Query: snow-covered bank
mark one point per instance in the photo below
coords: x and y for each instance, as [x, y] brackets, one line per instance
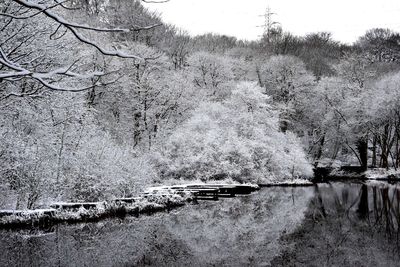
[355, 172]
[90, 212]
[382, 174]
[154, 199]
[268, 183]
[176, 183]
[293, 182]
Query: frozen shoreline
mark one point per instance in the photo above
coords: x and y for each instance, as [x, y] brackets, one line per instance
[355, 173]
[100, 210]
[159, 198]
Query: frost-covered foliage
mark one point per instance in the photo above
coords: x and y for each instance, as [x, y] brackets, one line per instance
[238, 138]
[63, 153]
[383, 103]
[284, 76]
[102, 169]
[212, 73]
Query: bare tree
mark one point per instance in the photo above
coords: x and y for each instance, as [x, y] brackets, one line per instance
[31, 30]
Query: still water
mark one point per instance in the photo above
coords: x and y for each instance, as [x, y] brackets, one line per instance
[242, 231]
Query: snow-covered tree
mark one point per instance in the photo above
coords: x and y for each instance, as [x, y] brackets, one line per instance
[31, 31]
[284, 78]
[237, 139]
[211, 72]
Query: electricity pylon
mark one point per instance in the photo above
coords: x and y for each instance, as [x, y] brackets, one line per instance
[269, 24]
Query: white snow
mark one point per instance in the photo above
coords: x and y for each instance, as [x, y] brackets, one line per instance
[381, 173]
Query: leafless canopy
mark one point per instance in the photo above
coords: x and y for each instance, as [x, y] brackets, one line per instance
[11, 70]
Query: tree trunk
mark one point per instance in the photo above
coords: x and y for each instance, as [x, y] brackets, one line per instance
[137, 130]
[335, 153]
[20, 198]
[362, 147]
[145, 121]
[283, 125]
[59, 156]
[397, 153]
[385, 148]
[384, 159]
[260, 83]
[319, 152]
[374, 143]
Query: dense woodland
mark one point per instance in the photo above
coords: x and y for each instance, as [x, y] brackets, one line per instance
[101, 98]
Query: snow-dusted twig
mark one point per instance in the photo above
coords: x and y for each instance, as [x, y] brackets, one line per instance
[34, 14]
[43, 77]
[73, 27]
[13, 70]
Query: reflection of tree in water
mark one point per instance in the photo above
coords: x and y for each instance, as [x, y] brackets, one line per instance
[374, 208]
[386, 209]
[358, 202]
[346, 224]
[363, 207]
[377, 205]
[164, 249]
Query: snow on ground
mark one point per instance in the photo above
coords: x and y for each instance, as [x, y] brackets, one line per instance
[143, 204]
[181, 184]
[296, 181]
[381, 173]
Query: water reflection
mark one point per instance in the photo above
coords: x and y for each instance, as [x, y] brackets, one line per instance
[231, 232]
[378, 204]
[243, 231]
[346, 224]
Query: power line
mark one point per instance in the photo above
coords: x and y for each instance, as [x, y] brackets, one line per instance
[269, 23]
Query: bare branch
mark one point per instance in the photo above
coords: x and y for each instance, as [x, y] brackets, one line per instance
[145, 28]
[19, 66]
[32, 93]
[34, 14]
[43, 77]
[45, 10]
[67, 8]
[116, 53]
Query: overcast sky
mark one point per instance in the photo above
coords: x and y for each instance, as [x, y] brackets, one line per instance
[346, 19]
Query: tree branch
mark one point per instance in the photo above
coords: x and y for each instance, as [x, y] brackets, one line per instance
[73, 27]
[32, 15]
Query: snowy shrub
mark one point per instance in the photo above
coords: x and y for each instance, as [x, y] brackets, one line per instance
[237, 139]
[103, 170]
[65, 159]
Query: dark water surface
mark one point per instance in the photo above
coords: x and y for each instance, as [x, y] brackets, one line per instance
[253, 230]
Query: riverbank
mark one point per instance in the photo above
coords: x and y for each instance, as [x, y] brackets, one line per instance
[154, 199]
[289, 183]
[90, 212]
[343, 173]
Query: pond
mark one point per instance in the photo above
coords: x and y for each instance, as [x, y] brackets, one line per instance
[342, 224]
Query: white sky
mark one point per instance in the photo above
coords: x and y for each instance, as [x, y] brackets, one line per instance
[345, 19]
